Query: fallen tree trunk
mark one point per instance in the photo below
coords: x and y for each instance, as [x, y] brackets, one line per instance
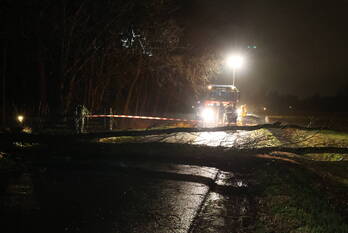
[24, 137]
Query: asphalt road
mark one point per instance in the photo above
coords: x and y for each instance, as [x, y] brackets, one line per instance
[106, 196]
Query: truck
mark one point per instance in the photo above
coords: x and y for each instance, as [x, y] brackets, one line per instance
[219, 106]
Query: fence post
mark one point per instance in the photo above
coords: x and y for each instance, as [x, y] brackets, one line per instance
[111, 120]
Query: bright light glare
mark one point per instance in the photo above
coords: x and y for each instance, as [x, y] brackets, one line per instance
[20, 118]
[239, 112]
[234, 61]
[208, 115]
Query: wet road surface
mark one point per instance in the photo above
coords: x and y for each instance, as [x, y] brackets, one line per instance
[119, 196]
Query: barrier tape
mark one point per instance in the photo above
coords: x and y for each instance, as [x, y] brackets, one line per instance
[141, 117]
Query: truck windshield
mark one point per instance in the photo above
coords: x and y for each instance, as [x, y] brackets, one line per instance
[222, 95]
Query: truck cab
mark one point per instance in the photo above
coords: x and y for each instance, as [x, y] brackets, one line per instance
[219, 106]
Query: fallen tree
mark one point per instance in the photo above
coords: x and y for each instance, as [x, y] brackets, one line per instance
[147, 132]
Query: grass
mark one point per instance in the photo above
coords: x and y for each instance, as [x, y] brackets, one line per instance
[298, 200]
[332, 157]
[336, 172]
[335, 135]
[321, 138]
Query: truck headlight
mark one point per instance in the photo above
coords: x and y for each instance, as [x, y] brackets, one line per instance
[208, 115]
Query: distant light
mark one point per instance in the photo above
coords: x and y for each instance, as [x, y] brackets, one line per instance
[290, 107]
[20, 118]
[252, 47]
[264, 108]
[209, 87]
[27, 130]
[234, 61]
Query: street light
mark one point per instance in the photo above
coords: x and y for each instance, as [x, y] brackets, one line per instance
[234, 62]
[20, 119]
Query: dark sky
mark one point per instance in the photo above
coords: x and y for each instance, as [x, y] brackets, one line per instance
[301, 45]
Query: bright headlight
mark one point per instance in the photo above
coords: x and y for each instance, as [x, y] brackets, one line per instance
[208, 115]
[239, 111]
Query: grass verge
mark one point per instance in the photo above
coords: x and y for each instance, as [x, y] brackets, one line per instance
[298, 199]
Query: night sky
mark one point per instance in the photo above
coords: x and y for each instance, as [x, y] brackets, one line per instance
[301, 48]
[301, 45]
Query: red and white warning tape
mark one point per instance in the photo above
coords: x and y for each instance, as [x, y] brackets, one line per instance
[141, 117]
